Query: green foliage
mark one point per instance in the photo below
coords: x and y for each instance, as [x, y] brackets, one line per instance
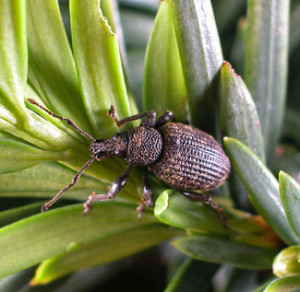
[79, 72]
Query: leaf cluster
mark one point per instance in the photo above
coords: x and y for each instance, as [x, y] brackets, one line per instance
[172, 59]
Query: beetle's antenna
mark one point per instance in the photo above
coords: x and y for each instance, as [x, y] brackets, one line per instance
[68, 121]
[46, 206]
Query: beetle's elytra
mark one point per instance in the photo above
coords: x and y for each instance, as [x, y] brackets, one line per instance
[182, 156]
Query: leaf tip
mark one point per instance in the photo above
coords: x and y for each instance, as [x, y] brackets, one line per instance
[228, 67]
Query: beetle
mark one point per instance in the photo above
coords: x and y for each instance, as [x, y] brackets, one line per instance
[184, 157]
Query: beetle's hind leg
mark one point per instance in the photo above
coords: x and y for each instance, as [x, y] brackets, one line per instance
[198, 197]
[117, 187]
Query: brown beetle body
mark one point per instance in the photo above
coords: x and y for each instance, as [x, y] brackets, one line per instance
[178, 154]
[190, 159]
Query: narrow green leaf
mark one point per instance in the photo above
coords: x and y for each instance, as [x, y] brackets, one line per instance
[199, 217]
[46, 179]
[239, 119]
[52, 69]
[287, 262]
[266, 64]
[105, 250]
[284, 284]
[13, 55]
[110, 8]
[200, 53]
[218, 250]
[262, 186]
[290, 197]
[15, 214]
[59, 229]
[17, 155]
[164, 86]
[35, 130]
[99, 65]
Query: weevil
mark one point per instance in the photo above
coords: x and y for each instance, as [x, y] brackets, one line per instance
[184, 157]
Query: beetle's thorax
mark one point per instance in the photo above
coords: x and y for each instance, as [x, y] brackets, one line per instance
[144, 145]
[116, 145]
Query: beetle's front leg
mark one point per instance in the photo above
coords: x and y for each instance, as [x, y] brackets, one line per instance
[150, 121]
[147, 201]
[117, 187]
[166, 117]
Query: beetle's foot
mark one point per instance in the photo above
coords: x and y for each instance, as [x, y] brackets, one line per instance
[141, 209]
[88, 204]
[44, 208]
[111, 112]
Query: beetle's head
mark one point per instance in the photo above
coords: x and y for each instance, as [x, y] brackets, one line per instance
[116, 145]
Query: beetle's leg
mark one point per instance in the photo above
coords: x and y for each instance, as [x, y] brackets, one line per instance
[117, 187]
[147, 201]
[46, 206]
[166, 117]
[150, 121]
[198, 197]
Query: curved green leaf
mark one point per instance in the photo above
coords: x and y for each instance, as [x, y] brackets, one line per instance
[266, 64]
[105, 250]
[99, 65]
[59, 229]
[17, 155]
[15, 214]
[200, 53]
[169, 208]
[52, 70]
[284, 284]
[218, 250]
[287, 262]
[239, 119]
[14, 118]
[290, 197]
[35, 130]
[46, 179]
[262, 186]
[164, 86]
[13, 55]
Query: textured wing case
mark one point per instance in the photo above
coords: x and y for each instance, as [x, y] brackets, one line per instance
[190, 159]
